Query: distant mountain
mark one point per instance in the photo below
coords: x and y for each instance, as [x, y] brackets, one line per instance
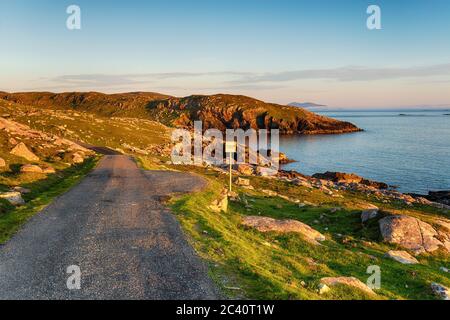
[305, 105]
[215, 111]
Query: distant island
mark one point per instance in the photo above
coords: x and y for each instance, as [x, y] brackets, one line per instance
[305, 105]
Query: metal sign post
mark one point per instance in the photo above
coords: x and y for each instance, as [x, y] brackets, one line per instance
[230, 148]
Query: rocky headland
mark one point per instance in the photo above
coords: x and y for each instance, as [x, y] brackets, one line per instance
[215, 111]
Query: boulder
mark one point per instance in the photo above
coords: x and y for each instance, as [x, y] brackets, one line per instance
[370, 212]
[31, 168]
[233, 196]
[21, 150]
[270, 193]
[291, 174]
[402, 257]
[444, 269]
[347, 281]
[221, 204]
[339, 177]
[21, 190]
[12, 141]
[2, 163]
[409, 233]
[265, 224]
[242, 182]
[374, 184]
[78, 158]
[349, 178]
[48, 169]
[244, 169]
[439, 196]
[323, 288]
[15, 198]
[266, 171]
[440, 291]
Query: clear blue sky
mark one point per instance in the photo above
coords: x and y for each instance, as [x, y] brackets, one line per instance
[278, 51]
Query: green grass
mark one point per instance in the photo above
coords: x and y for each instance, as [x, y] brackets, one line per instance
[43, 191]
[274, 266]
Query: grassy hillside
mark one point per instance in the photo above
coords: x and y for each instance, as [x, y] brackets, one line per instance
[131, 104]
[216, 111]
[122, 133]
[250, 264]
[41, 130]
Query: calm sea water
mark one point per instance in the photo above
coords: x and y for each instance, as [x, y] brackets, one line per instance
[411, 151]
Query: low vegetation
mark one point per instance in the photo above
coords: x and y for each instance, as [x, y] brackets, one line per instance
[250, 264]
[43, 190]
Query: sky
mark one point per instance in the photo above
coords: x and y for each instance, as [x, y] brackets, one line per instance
[275, 50]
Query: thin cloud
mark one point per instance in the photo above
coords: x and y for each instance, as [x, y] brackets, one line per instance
[104, 80]
[238, 80]
[351, 73]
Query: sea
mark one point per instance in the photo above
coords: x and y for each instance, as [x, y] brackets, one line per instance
[406, 149]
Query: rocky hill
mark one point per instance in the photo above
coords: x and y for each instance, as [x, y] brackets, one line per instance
[216, 111]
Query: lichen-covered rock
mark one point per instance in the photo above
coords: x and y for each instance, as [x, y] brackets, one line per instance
[31, 168]
[77, 158]
[221, 204]
[15, 198]
[369, 213]
[347, 281]
[440, 291]
[265, 224]
[2, 163]
[402, 257]
[242, 182]
[410, 233]
[21, 150]
[245, 169]
[48, 170]
[270, 193]
[323, 288]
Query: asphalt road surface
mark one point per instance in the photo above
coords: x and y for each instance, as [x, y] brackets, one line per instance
[115, 228]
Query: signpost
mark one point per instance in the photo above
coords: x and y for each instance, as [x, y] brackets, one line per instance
[230, 148]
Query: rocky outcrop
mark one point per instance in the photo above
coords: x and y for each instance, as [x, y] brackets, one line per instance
[339, 177]
[220, 204]
[78, 158]
[31, 168]
[347, 281]
[240, 112]
[265, 224]
[402, 257]
[21, 150]
[439, 196]
[369, 213]
[440, 291]
[48, 169]
[15, 198]
[348, 178]
[2, 163]
[410, 233]
[242, 182]
[215, 111]
[244, 169]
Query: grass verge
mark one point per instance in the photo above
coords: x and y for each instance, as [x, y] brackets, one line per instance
[42, 193]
